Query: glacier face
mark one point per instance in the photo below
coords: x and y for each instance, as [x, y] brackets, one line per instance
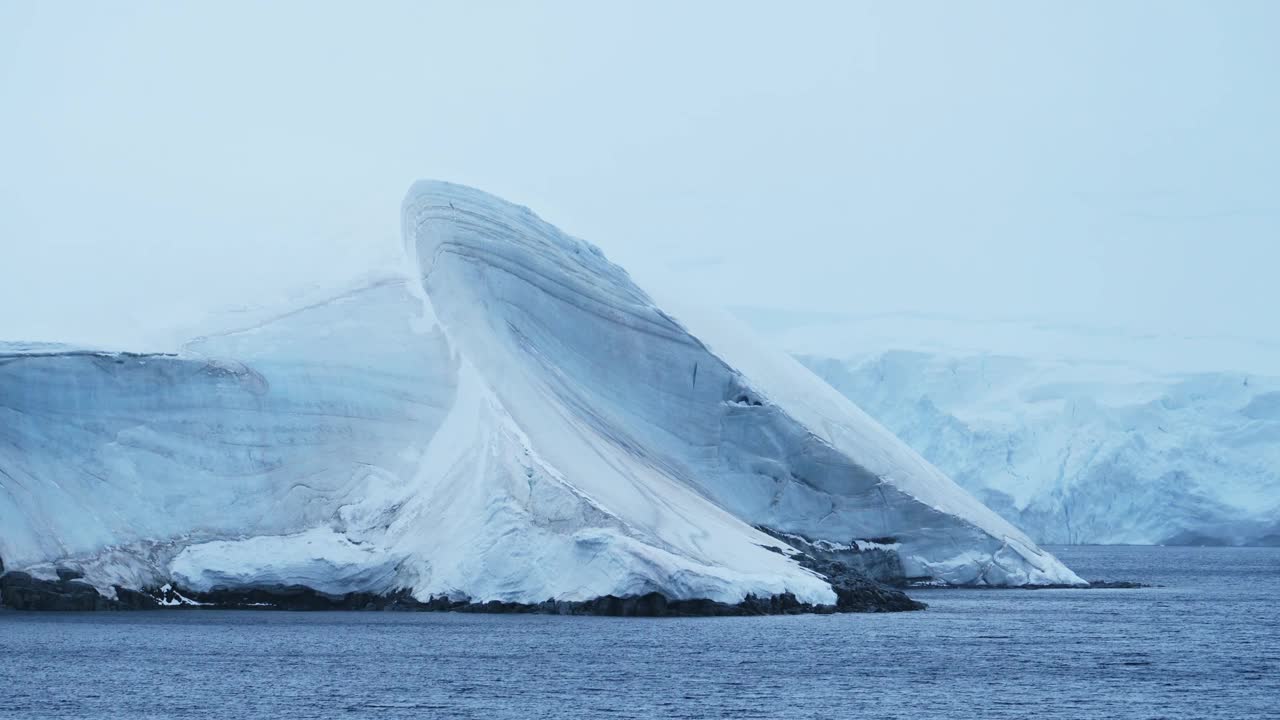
[121, 462]
[1084, 453]
[516, 421]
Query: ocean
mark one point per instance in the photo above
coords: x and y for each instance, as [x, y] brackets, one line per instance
[1205, 644]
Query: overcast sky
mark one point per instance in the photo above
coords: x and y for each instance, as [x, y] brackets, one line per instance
[1106, 163]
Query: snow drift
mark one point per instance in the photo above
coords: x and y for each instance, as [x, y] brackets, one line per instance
[515, 422]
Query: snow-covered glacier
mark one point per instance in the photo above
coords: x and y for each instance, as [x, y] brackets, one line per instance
[513, 421]
[1085, 452]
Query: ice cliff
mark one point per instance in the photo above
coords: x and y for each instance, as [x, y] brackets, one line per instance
[516, 421]
[1082, 452]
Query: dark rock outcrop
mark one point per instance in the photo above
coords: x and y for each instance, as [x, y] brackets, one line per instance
[873, 597]
[288, 597]
[870, 598]
[873, 559]
[21, 591]
[857, 575]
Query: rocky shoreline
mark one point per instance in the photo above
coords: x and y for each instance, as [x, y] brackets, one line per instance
[22, 591]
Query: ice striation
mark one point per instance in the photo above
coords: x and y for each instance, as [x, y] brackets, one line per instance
[516, 421]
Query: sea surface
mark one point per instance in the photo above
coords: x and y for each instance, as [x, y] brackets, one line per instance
[1204, 645]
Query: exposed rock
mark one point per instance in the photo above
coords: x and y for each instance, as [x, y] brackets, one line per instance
[872, 597]
[865, 558]
[299, 597]
[856, 571]
[21, 591]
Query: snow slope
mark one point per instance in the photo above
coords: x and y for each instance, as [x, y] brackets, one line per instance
[566, 340]
[517, 421]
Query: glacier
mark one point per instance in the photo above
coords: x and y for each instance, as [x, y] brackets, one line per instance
[514, 420]
[1084, 452]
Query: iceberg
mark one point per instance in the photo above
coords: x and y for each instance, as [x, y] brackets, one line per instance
[513, 422]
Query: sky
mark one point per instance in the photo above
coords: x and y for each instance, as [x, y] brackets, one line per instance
[1107, 164]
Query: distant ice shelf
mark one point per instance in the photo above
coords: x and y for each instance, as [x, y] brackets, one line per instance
[1086, 453]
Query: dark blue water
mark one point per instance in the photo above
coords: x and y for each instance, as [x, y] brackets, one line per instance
[1205, 646]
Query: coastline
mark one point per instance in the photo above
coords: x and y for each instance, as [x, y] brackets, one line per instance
[22, 592]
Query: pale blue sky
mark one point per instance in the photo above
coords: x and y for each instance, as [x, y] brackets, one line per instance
[1107, 163]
